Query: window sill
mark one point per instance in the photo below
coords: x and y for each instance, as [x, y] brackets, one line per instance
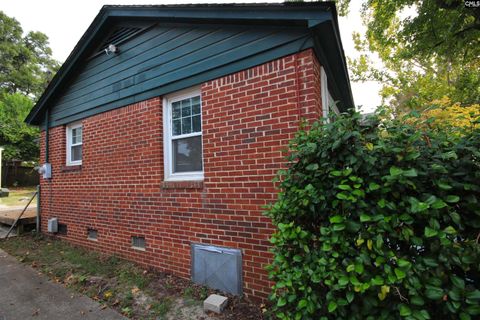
[72, 168]
[139, 249]
[182, 185]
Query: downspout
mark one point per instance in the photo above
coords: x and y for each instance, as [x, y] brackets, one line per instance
[47, 139]
[47, 125]
[37, 220]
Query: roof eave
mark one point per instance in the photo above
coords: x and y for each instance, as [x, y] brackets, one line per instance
[300, 13]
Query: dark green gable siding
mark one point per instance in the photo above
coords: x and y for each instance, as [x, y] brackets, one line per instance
[165, 58]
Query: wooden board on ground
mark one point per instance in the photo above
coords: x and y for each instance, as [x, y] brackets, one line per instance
[9, 216]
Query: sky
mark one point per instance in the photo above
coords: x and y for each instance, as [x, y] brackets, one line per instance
[65, 21]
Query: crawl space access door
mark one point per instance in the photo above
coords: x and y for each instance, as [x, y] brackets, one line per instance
[217, 267]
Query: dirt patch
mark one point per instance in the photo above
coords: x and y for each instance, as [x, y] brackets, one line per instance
[135, 292]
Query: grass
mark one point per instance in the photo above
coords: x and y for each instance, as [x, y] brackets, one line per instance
[15, 196]
[117, 283]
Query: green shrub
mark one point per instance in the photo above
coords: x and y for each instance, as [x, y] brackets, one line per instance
[378, 221]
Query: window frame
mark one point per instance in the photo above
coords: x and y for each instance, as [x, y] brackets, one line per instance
[69, 144]
[325, 93]
[168, 139]
[328, 104]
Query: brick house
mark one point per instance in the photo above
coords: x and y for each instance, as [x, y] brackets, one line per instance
[166, 124]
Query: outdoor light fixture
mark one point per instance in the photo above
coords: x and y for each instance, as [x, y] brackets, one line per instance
[111, 49]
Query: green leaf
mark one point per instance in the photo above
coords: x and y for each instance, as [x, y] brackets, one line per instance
[433, 293]
[344, 187]
[430, 232]
[373, 186]
[455, 217]
[473, 295]
[400, 273]
[302, 304]
[332, 306]
[452, 199]
[343, 280]
[443, 185]
[312, 167]
[336, 219]
[350, 296]
[410, 173]
[378, 281]
[405, 310]
[454, 295]
[394, 171]
[342, 196]
[439, 204]
[417, 300]
[403, 263]
[450, 230]
[281, 302]
[464, 316]
[381, 203]
[365, 217]
[359, 268]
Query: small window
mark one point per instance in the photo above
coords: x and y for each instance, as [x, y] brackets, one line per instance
[92, 234]
[325, 94]
[183, 136]
[138, 243]
[74, 144]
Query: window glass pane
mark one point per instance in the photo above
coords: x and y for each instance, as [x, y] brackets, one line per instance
[196, 124]
[196, 100]
[187, 154]
[76, 135]
[177, 127]
[176, 110]
[186, 108]
[76, 153]
[196, 109]
[186, 125]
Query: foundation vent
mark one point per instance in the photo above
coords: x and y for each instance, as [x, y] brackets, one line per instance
[138, 243]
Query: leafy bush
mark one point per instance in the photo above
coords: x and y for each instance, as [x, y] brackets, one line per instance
[378, 221]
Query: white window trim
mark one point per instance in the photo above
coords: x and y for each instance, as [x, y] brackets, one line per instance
[69, 129]
[325, 93]
[328, 103]
[167, 136]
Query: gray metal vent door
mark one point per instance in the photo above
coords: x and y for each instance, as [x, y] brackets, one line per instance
[217, 267]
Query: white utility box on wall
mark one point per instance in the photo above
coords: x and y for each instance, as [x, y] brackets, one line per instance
[53, 225]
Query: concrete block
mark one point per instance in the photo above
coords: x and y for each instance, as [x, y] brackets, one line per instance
[4, 192]
[215, 303]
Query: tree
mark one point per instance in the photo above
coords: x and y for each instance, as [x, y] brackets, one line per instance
[429, 49]
[26, 66]
[445, 114]
[19, 139]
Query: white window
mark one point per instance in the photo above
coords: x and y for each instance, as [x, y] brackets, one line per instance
[325, 93]
[328, 103]
[182, 122]
[74, 144]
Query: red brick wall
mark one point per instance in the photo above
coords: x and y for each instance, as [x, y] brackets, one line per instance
[248, 119]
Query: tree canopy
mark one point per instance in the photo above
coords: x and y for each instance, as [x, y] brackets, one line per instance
[19, 139]
[26, 66]
[429, 49]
